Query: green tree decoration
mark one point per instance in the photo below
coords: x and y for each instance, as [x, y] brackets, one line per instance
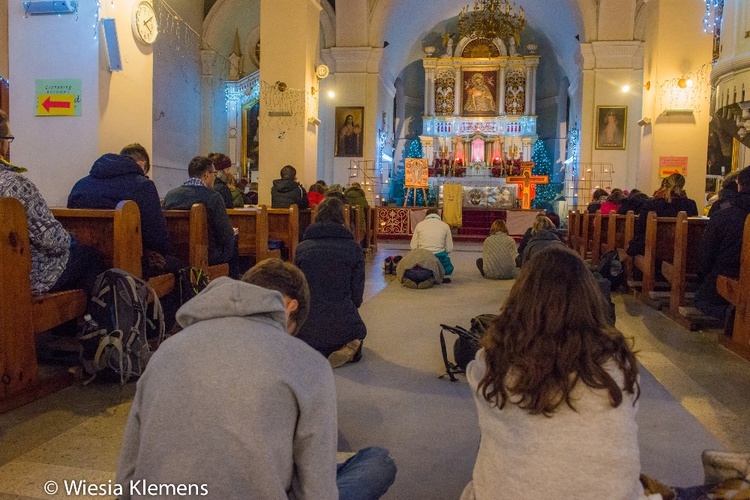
[545, 193]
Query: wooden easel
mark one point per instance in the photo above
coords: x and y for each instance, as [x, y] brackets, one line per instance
[414, 190]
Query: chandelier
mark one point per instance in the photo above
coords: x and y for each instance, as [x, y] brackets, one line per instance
[492, 19]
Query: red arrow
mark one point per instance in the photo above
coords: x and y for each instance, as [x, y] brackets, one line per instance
[49, 103]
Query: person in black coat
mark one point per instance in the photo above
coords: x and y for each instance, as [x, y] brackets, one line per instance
[668, 201]
[287, 191]
[334, 266]
[222, 162]
[728, 191]
[721, 248]
[634, 201]
[114, 178]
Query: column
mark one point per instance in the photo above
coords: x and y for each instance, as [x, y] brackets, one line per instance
[208, 58]
[457, 93]
[501, 92]
[533, 90]
[430, 78]
[527, 107]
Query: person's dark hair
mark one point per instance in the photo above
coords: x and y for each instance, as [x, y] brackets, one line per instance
[730, 182]
[553, 332]
[316, 188]
[616, 196]
[633, 192]
[337, 195]
[137, 153]
[743, 178]
[288, 172]
[598, 194]
[284, 277]
[322, 183]
[4, 128]
[220, 161]
[433, 210]
[199, 166]
[331, 209]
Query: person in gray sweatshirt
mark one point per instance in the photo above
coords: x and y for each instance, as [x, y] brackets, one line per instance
[234, 406]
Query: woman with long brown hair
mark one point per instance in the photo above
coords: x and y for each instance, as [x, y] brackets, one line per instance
[556, 389]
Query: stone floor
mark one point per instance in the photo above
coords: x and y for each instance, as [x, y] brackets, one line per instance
[76, 432]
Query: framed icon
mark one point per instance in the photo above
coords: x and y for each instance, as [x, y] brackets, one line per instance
[611, 127]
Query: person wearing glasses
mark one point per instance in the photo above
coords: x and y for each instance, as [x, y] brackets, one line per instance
[222, 243]
[58, 261]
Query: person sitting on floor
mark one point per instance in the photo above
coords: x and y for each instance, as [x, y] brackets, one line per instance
[58, 261]
[272, 434]
[222, 242]
[434, 235]
[499, 252]
[543, 236]
[721, 248]
[420, 269]
[334, 266]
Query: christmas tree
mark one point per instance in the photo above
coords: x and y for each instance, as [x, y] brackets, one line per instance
[545, 193]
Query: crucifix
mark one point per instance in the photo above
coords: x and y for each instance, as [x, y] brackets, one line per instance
[527, 183]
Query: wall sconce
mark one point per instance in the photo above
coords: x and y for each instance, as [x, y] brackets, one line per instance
[684, 82]
[41, 7]
[321, 72]
[647, 86]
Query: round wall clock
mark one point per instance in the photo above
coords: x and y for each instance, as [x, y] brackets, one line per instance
[145, 26]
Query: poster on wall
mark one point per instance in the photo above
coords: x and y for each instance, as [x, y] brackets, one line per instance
[416, 172]
[349, 131]
[611, 127]
[669, 165]
[61, 97]
[479, 90]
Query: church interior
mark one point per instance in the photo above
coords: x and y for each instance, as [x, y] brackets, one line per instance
[514, 106]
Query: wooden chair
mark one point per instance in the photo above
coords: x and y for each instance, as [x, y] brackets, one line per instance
[188, 237]
[737, 292]
[23, 316]
[252, 226]
[682, 271]
[283, 224]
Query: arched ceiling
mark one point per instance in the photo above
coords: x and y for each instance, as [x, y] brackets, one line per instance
[402, 23]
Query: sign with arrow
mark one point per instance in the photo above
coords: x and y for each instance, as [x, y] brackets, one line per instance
[58, 98]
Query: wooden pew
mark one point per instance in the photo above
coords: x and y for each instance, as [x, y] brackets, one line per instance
[737, 292]
[283, 224]
[573, 229]
[627, 236]
[188, 237]
[608, 232]
[372, 230]
[22, 316]
[252, 225]
[660, 239]
[682, 271]
[595, 238]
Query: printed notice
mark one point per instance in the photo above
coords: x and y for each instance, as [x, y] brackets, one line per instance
[669, 165]
[58, 97]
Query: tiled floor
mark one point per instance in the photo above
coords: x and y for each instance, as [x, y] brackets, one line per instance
[76, 432]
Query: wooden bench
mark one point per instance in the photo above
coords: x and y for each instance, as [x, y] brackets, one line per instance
[23, 316]
[737, 292]
[188, 239]
[682, 271]
[574, 225]
[252, 227]
[584, 238]
[659, 246]
[372, 230]
[283, 224]
[628, 230]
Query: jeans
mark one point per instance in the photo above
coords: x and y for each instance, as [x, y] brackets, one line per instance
[367, 475]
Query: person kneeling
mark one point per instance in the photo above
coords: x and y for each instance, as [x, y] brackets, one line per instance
[420, 269]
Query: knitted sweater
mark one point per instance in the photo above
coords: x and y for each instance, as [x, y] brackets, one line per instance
[499, 257]
[235, 403]
[49, 241]
[591, 453]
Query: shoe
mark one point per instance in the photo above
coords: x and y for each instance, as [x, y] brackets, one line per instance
[346, 354]
[446, 280]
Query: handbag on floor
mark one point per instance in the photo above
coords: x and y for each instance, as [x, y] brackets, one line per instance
[466, 345]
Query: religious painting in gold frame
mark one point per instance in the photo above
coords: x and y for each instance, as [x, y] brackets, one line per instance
[416, 172]
[250, 149]
[349, 131]
[611, 127]
[479, 91]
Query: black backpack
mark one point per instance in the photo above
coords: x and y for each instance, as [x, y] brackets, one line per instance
[120, 324]
[466, 345]
[611, 268]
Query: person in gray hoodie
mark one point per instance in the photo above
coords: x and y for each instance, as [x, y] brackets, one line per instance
[235, 406]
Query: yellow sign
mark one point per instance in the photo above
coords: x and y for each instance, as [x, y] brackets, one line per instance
[669, 165]
[55, 104]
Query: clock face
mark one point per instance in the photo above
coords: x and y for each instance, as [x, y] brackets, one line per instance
[144, 23]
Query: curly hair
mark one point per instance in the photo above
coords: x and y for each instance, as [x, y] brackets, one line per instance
[552, 333]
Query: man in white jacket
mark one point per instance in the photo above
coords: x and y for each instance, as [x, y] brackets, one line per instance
[434, 235]
[234, 406]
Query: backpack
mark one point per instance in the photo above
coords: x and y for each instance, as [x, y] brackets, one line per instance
[119, 324]
[192, 280]
[466, 345]
[612, 269]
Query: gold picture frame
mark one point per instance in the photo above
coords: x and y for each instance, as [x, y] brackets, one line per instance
[611, 127]
[349, 131]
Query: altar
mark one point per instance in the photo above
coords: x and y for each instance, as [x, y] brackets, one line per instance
[480, 192]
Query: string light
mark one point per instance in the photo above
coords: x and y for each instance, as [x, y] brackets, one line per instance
[714, 16]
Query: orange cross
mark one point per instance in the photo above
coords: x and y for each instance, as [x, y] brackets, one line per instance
[527, 183]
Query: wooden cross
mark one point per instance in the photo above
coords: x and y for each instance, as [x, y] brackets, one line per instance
[527, 183]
